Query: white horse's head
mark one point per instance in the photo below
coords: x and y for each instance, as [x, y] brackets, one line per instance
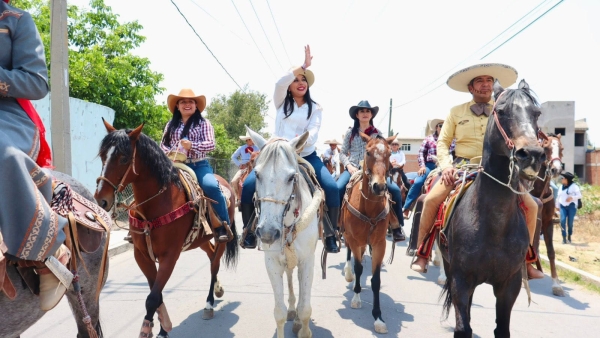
[276, 170]
[555, 165]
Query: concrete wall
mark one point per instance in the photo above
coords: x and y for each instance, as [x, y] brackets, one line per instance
[561, 114]
[87, 130]
[592, 167]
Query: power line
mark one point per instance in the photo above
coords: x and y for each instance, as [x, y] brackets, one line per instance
[217, 21]
[439, 85]
[517, 33]
[278, 33]
[248, 30]
[266, 36]
[211, 53]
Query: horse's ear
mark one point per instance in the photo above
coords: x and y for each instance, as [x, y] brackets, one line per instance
[497, 89]
[135, 134]
[364, 136]
[299, 141]
[108, 126]
[524, 85]
[391, 139]
[258, 140]
[558, 136]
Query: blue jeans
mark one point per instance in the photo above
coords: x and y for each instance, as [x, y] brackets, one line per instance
[323, 176]
[415, 189]
[392, 187]
[554, 189]
[567, 215]
[210, 186]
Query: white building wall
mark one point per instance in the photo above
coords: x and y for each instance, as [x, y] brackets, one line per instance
[561, 114]
[87, 131]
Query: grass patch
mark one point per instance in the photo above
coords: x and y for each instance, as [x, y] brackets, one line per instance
[568, 276]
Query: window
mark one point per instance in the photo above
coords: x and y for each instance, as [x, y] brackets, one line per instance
[405, 147]
[579, 139]
[560, 131]
[578, 168]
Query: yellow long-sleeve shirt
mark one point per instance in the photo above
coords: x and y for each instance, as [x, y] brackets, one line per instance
[467, 128]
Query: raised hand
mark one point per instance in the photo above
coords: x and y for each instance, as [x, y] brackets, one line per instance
[307, 57]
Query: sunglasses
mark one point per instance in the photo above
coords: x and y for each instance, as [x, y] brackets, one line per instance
[440, 125]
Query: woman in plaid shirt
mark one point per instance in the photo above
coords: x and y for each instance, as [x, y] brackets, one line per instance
[353, 151]
[188, 129]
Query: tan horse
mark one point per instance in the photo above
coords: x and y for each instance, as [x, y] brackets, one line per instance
[365, 216]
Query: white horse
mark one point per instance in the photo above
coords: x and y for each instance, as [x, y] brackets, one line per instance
[287, 226]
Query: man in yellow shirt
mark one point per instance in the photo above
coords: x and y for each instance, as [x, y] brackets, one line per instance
[467, 124]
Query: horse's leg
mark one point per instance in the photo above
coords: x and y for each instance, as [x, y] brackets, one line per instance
[275, 271]
[438, 256]
[358, 269]
[348, 268]
[462, 294]
[214, 254]
[376, 260]
[148, 268]
[305, 280]
[506, 295]
[548, 231]
[291, 311]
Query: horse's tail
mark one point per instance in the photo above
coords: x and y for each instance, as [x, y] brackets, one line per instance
[448, 299]
[232, 251]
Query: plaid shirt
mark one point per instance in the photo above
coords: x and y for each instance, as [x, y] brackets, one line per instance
[202, 137]
[429, 149]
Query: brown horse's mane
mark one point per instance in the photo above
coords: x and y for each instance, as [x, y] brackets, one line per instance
[157, 162]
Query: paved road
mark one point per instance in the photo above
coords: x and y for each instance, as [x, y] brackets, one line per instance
[409, 303]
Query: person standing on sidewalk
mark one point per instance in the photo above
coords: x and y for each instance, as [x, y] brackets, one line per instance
[567, 202]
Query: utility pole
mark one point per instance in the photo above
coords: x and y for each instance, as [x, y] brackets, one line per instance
[60, 121]
[390, 120]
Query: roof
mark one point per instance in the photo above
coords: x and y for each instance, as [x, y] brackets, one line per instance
[581, 124]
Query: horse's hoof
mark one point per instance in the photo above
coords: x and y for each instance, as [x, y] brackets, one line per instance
[297, 326]
[163, 336]
[291, 315]
[558, 291]
[410, 252]
[208, 314]
[219, 292]
[436, 262]
[146, 330]
[441, 280]
[380, 326]
[163, 318]
[349, 276]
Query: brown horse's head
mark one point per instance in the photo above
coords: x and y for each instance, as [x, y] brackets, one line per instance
[553, 149]
[377, 161]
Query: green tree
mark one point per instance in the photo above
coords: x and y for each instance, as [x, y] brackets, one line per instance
[237, 110]
[102, 68]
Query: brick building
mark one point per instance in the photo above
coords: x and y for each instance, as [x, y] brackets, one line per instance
[592, 166]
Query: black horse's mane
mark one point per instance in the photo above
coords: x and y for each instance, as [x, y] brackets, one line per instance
[159, 165]
[512, 95]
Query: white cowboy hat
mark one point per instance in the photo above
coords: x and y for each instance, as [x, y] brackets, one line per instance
[332, 141]
[433, 123]
[186, 94]
[459, 81]
[245, 138]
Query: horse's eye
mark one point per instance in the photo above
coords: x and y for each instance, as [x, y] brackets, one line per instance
[123, 160]
[368, 153]
[291, 179]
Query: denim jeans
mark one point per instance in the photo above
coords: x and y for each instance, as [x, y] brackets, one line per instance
[210, 186]
[415, 189]
[554, 189]
[323, 176]
[567, 215]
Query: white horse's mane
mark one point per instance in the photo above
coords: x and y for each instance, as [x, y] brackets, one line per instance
[273, 151]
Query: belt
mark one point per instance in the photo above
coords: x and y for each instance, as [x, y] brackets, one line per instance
[194, 160]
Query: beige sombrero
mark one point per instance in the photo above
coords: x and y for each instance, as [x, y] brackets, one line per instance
[332, 141]
[459, 81]
[186, 94]
[245, 138]
[309, 75]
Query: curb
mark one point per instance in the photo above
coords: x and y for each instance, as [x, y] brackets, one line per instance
[119, 248]
[565, 266]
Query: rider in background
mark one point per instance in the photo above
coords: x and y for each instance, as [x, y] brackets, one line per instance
[241, 157]
[353, 152]
[398, 160]
[467, 124]
[29, 229]
[188, 129]
[333, 155]
[296, 114]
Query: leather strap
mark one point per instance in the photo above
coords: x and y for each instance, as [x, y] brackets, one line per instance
[6, 284]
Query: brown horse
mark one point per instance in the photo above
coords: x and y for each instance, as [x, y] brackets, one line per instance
[330, 167]
[365, 218]
[247, 169]
[130, 157]
[542, 190]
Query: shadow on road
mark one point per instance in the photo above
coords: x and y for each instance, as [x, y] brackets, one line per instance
[219, 326]
[543, 287]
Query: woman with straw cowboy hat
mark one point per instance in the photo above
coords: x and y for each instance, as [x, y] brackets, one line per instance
[196, 136]
[297, 113]
[467, 124]
[353, 152]
[241, 157]
[333, 154]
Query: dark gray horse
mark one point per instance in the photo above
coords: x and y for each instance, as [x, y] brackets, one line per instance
[22, 312]
[487, 237]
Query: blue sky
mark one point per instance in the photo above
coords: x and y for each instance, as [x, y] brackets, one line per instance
[375, 50]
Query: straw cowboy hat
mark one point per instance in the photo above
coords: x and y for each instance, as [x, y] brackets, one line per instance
[433, 123]
[308, 74]
[362, 104]
[245, 138]
[505, 74]
[186, 94]
[332, 141]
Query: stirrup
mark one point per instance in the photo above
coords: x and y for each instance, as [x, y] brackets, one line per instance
[414, 259]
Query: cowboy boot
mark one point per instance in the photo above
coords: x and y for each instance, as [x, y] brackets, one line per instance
[398, 235]
[221, 233]
[249, 241]
[55, 278]
[420, 263]
[330, 239]
[569, 239]
[531, 216]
